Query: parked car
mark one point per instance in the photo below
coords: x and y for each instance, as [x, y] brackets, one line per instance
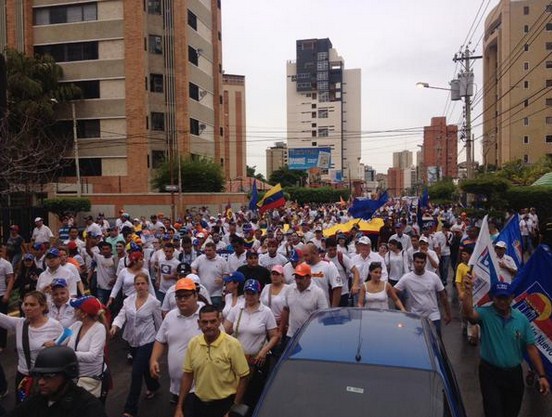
[362, 362]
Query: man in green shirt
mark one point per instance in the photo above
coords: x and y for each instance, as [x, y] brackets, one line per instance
[506, 335]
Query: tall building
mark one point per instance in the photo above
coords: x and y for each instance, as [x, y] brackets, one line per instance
[151, 77]
[402, 159]
[234, 126]
[323, 107]
[276, 158]
[440, 150]
[517, 76]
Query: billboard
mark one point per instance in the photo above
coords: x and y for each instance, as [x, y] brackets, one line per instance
[306, 158]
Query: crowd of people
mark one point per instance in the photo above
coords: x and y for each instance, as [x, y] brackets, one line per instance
[222, 294]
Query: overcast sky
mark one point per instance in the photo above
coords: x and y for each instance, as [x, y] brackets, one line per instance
[395, 43]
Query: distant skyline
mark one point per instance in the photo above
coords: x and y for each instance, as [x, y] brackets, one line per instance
[395, 44]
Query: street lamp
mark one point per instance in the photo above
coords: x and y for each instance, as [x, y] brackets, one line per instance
[75, 144]
[421, 84]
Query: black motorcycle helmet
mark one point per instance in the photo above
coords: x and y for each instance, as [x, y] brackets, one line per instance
[56, 360]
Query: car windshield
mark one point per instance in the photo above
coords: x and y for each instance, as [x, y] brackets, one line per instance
[318, 389]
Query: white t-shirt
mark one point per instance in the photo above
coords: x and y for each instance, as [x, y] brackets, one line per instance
[42, 234]
[397, 264]
[422, 293]
[343, 273]
[65, 314]
[302, 304]
[268, 261]
[228, 304]
[90, 349]
[209, 270]
[167, 269]
[6, 269]
[105, 271]
[250, 328]
[289, 270]
[404, 239]
[325, 275]
[363, 265]
[125, 280]
[140, 326]
[275, 302]
[440, 240]
[235, 261]
[176, 331]
[46, 278]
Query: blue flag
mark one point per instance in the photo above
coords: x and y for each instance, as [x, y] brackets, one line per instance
[365, 208]
[254, 197]
[424, 201]
[511, 235]
[533, 298]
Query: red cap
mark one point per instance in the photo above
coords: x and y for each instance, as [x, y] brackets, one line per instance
[72, 245]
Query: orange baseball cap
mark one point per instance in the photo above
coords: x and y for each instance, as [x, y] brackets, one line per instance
[185, 284]
[302, 269]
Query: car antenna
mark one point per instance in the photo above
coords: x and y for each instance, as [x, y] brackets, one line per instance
[358, 358]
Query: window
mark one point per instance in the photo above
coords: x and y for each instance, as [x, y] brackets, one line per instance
[157, 159]
[549, 46]
[548, 101]
[548, 8]
[548, 64]
[322, 65]
[313, 115]
[323, 114]
[526, 28]
[549, 27]
[313, 133]
[89, 89]
[314, 96]
[156, 83]
[154, 7]
[549, 120]
[526, 47]
[194, 126]
[65, 14]
[525, 103]
[155, 43]
[322, 56]
[322, 76]
[192, 20]
[323, 85]
[221, 131]
[157, 121]
[548, 139]
[313, 124]
[323, 132]
[525, 121]
[526, 66]
[194, 91]
[549, 83]
[323, 97]
[313, 106]
[66, 52]
[86, 129]
[193, 56]
[526, 84]
[526, 140]
[526, 158]
[526, 10]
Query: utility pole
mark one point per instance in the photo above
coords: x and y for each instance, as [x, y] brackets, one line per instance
[76, 149]
[464, 88]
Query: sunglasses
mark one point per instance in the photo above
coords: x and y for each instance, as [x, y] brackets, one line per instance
[184, 296]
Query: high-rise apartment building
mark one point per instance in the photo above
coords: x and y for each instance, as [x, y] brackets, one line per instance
[234, 126]
[440, 150]
[276, 158]
[517, 81]
[402, 159]
[151, 77]
[323, 106]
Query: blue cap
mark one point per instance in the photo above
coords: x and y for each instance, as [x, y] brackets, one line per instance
[28, 257]
[501, 289]
[52, 253]
[135, 247]
[235, 277]
[252, 285]
[37, 246]
[59, 282]
[247, 227]
[294, 256]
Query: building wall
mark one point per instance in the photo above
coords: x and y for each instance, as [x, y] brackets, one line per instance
[517, 76]
[402, 159]
[276, 158]
[136, 126]
[234, 126]
[440, 148]
[395, 181]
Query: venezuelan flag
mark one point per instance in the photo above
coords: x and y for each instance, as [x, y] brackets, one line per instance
[273, 198]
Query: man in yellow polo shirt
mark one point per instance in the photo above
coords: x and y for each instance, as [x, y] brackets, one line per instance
[215, 362]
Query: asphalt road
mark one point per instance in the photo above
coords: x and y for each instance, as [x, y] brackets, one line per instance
[464, 359]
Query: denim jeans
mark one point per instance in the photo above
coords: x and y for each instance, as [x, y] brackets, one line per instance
[103, 295]
[444, 266]
[140, 369]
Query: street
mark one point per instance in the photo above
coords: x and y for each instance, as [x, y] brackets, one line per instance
[464, 359]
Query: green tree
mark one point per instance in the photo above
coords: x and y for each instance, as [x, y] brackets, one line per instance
[490, 188]
[61, 206]
[32, 148]
[443, 192]
[199, 175]
[252, 174]
[287, 177]
[520, 173]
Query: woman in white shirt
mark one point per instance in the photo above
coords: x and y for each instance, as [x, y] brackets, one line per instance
[88, 341]
[374, 293]
[40, 330]
[233, 287]
[274, 294]
[254, 325]
[141, 313]
[126, 278]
